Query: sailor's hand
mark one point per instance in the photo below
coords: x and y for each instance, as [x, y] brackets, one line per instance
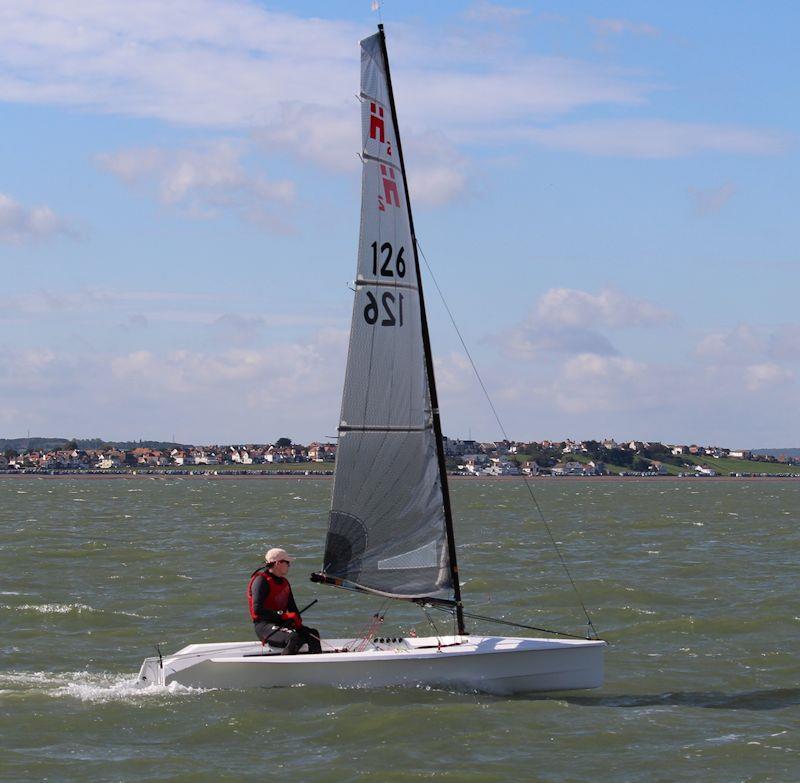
[293, 618]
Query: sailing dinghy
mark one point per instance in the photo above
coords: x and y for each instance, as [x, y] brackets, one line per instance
[390, 530]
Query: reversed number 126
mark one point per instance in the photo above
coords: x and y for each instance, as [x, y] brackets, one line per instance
[391, 308]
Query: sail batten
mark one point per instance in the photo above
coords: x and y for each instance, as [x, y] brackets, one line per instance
[381, 428]
[387, 531]
[384, 284]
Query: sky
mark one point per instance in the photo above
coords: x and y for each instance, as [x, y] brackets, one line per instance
[606, 193]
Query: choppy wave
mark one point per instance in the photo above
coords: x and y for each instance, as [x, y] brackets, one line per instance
[93, 687]
[75, 608]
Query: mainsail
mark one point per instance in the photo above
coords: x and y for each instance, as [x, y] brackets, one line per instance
[388, 529]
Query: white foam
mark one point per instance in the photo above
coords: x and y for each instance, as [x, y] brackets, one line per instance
[724, 739]
[96, 687]
[51, 608]
[67, 609]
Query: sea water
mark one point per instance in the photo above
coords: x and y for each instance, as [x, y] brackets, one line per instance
[692, 582]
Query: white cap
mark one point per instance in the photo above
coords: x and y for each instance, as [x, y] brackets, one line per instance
[277, 554]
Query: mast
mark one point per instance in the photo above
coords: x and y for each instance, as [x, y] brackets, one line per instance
[437, 425]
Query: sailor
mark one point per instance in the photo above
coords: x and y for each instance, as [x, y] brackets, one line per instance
[276, 619]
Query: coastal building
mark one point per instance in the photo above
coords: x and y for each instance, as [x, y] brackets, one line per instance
[598, 468]
[703, 470]
[531, 468]
[569, 469]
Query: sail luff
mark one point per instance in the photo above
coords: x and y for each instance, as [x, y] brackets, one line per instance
[437, 425]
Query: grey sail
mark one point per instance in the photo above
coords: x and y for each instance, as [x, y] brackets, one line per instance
[387, 530]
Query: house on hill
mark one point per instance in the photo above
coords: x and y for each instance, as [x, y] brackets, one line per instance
[568, 469]
[530, 468]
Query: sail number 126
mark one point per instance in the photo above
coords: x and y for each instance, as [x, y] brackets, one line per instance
[387, 309]
[385, 260]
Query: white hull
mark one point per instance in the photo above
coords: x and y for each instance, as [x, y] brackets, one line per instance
[494, 664]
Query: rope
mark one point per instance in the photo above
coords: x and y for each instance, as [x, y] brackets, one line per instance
[432, 624]
[362, 640]
[498, 621]
[505, 435]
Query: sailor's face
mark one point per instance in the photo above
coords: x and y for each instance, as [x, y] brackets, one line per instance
[281, 568]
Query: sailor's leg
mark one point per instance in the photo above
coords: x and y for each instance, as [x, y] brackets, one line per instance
[272, 634]
[311, 637]
[293, 643]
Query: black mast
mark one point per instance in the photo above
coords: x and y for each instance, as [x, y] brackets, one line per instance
[437, 425]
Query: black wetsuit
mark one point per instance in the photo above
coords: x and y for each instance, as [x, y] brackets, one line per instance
[271, 626]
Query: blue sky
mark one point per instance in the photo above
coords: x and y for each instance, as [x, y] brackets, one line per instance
[606, 192]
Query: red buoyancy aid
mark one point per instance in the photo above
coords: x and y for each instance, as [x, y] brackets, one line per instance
[278, 597]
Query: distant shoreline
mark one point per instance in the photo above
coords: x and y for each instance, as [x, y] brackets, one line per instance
[228, 476]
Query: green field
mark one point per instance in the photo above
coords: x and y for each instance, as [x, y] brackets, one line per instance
[723, 466]
[727, 465]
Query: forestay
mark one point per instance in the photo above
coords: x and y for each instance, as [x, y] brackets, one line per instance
[387, 531]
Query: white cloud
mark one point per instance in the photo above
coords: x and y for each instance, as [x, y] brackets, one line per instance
[750, 344]
[567, 320]
[759, 376]
[709, 201]
[282, 371]
[203, 395]
[469, 103]
[653, 138]
[437, 172]
[733, 345]
[235, 64]
[609, 307]
[289, 386]
[531, 339]
[591, 395]
[176, 61]
[326, 135]
[46, 301]
[27, 369]
[454, 374]
[588, 382]
[20, 224]
[205, 181]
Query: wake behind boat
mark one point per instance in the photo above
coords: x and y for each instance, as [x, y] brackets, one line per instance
[390, 530]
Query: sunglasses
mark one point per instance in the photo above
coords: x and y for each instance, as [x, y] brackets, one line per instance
[287, 562]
